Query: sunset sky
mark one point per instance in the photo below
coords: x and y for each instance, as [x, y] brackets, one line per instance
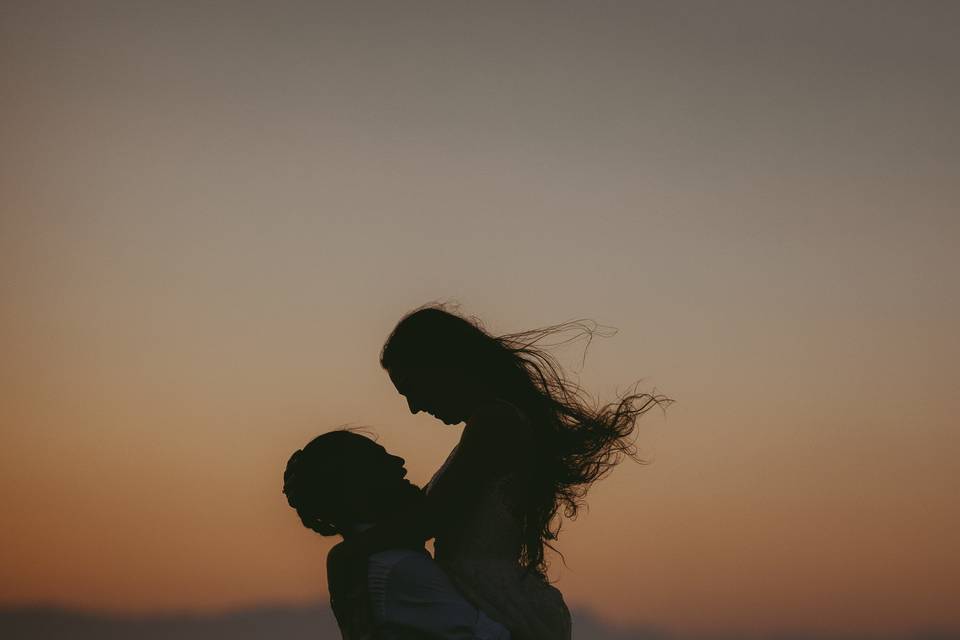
[212, 214]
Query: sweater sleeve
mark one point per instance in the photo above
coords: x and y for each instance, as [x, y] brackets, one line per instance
[412, 597]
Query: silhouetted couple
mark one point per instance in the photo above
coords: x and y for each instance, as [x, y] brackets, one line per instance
[532, 446]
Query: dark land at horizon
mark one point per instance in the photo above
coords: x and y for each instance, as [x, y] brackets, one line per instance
[306, 622]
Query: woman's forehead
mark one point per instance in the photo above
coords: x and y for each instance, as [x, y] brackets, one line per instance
[412, 376]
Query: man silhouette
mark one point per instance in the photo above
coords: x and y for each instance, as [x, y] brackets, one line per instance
[344, 483]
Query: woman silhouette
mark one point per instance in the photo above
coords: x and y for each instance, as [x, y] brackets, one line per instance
[532, 446]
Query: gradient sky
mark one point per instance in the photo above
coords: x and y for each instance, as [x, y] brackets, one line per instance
[211, 217]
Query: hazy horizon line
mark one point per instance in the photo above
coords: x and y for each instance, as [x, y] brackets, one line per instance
[289, 613]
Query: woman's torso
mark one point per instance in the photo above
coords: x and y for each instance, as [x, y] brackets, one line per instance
[480, 549]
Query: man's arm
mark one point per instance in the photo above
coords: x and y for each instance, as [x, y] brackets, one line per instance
[349, 599]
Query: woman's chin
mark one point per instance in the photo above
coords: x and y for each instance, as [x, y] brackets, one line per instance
[447, 420]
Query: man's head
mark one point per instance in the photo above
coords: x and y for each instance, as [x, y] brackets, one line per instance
[342, 479]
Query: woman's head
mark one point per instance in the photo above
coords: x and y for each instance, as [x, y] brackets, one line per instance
[340, 479]
[448, 365]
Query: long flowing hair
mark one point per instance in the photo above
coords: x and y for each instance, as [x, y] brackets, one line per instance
[578, 440]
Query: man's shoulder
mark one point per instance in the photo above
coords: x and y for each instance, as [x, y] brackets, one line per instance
[339, 557]
[347, 585]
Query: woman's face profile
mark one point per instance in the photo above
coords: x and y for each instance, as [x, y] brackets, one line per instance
[445, 393]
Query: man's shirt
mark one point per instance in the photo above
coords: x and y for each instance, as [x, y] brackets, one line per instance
[412, 598]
